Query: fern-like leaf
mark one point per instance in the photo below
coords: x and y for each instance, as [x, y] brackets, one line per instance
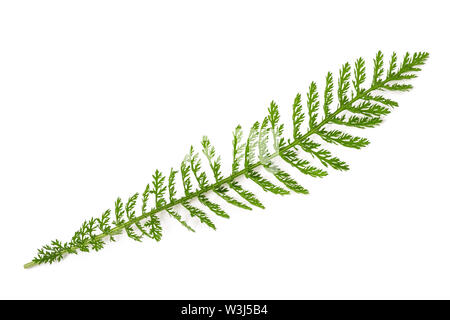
[342, 138]
[291, 157]
[369, 109]
[344, 84]
[323, 155]
[129, 208]
[238, 149]
[247, 195]
[358, 122]
[297, 116]
[265, 184]
[313, 105]
[328, 95]
[250, 147]
[222, 192]
[359, 75]
[359, 105]
[196, 212]
[378, 69]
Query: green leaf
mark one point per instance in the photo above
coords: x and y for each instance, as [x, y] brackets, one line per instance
[290, 156]
[103, 223]
[145, 197]
[361, 107]
[358, 122]
[129, 207]
[132, 234]
[171, 183]
[97, 244]
[196, 212]
[313, 105]
[380, 99]
[274, 114]
[342, 138]
[392, 66]
[222, 192]
[214, 207]
[245, 194]
[238, 148]
[178, 217]
[158, 188]
[323, 155]
[210, 152]
[195, 164]
[156, 234]
[368, 109]
[288, 181]
[378, 69]
[328, 95]
[263, 140]
[397, 87]
[187, 185]
[153, 226]
[119, 213]
[265, 184]
[344, 84]
[359, 75]
[298, 116]
[251, 145]
[409, 65]
[274, 119]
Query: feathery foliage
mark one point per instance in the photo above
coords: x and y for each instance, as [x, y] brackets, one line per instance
[359, 105]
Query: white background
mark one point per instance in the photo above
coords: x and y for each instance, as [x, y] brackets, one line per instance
[95, 95]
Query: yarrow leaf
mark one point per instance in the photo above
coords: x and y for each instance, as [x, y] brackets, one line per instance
[358, 105]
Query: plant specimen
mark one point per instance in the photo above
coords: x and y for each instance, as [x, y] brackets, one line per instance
[351, 104]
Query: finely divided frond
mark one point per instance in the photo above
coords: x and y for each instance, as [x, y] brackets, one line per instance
[187, 185]
[291, 157]
[247, 195]
[328, 95]
[380, 99]
[344, 84]
[251, 144]
[222, 192]
[276, 128]
[214, 207]
[342, 138]
[177, 217]
[392, 65]
[378, 69]
[172, 194]
[289, 182]
[103, 224]
[313, 105]
[297, 116]
[172, 189]
[263, 141]
[196, 212]
[358, 122]
[265, 184]
[323, 155]
[359, 75]
[119, 213]
[238, 149]
[214, 162]
[195, 166]
[359, 105]
[129, 208]
[369, 109]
